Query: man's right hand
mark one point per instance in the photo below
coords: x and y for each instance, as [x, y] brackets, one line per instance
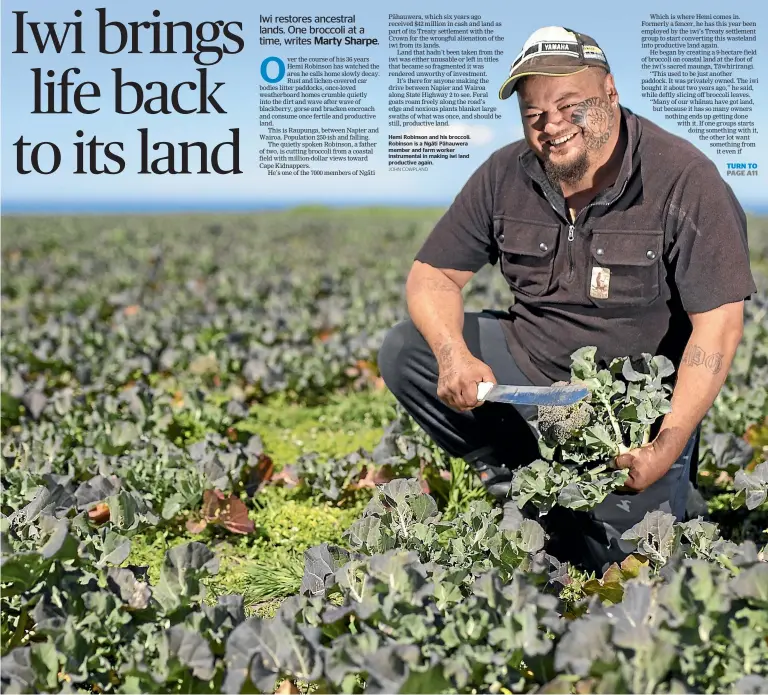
[459, 373]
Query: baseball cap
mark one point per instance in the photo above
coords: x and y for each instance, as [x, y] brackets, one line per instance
[553, 51]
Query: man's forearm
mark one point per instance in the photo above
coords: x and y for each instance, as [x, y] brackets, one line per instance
[436, 308]
[701, 375]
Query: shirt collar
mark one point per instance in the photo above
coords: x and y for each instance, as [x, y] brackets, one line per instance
[630, 162]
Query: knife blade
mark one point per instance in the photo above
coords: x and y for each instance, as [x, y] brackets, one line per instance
[531, 395]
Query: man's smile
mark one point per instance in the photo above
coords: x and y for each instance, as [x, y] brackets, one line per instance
[559, 143]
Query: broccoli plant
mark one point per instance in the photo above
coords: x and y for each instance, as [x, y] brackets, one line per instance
[751, 488]
[579, 442]
[561, 422]
[624, 402]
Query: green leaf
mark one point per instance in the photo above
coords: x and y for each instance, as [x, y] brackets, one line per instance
[192, 651]
[365, 535]
[123, 432]
[115, 550]
[17, 671]
[583, 362]
[629, 372]
[320, 564]
[123, 510]
[45, 662]
[751, 488]
[598, 434]
[663, 366]
[656, 536]
[423, 507]
[183, 568]
[530, 536]
[752, 584]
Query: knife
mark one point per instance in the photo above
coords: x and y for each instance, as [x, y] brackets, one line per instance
[567, 394]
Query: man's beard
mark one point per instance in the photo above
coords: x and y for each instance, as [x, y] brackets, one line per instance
[569, 173]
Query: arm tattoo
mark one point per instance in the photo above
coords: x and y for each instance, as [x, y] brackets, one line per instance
[595, 117]
[445, 363]
[694, 356]
[445, 355]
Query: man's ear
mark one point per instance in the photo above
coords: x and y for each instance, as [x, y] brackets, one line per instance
[611, 91]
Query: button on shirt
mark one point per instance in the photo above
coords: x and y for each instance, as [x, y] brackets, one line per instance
[667, 238]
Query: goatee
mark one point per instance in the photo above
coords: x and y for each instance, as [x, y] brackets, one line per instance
[569, 173]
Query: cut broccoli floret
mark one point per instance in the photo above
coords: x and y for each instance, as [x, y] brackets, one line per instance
[559, 423]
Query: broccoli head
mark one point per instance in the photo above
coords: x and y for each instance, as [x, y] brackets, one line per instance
[559, 423]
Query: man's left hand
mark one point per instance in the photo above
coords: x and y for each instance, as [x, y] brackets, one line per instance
[646, 465]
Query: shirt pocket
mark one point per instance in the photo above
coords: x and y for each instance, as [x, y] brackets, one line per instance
[526, 253]
[624, 267]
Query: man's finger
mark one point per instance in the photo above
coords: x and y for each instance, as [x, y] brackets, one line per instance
[457, 396]
[629, 484]
[446, 396]
[624, 461]
[468, 394]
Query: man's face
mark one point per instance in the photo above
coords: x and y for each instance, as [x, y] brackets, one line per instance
[568, 121]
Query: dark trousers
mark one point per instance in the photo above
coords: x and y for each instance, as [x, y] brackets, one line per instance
[499, 435]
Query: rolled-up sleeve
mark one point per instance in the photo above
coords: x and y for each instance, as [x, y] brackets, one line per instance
[708, 251]
[463, 237]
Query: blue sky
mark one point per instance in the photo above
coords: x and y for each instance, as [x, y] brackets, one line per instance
[616, 27]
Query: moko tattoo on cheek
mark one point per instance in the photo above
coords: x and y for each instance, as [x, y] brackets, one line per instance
[595, 118]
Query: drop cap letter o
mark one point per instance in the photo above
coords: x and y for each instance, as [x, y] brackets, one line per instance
[280, 69]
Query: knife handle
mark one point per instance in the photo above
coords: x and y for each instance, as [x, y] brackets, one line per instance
[483, 389]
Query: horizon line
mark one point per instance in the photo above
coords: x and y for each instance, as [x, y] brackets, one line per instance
[28, 208]
[113, 207]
